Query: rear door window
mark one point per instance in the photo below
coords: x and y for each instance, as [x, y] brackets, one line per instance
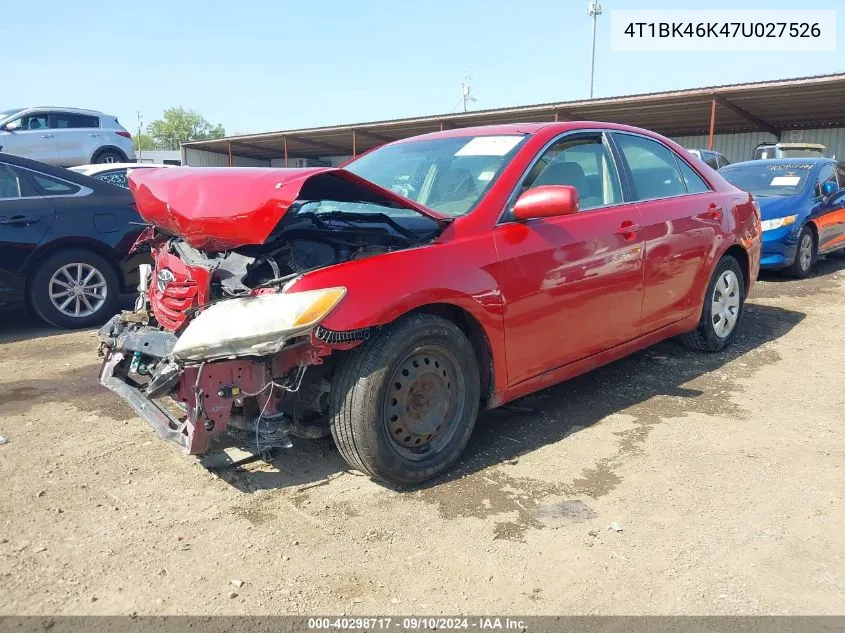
[653, 168]
[65, 120]
[693, 182]
[53, 186]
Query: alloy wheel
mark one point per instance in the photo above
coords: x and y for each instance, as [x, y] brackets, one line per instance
[805, 251]
[77, 290]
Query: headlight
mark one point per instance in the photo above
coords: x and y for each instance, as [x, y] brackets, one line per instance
[254, 326]
[776, 223]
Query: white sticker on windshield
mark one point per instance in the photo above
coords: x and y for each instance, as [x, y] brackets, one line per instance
[785, 181]
[489, 146]
[486, 176]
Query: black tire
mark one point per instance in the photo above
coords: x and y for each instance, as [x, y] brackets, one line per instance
[109, 156]
[705, 337]
[440, 369]
[40, 288]
[802, 265]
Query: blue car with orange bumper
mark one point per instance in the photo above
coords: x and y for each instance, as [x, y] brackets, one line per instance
[802, 207]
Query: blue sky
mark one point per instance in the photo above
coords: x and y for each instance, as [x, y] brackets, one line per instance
[260, 66]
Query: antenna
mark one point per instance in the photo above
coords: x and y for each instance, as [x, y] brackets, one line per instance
[594, 10]
[466, 96]
[140, 141]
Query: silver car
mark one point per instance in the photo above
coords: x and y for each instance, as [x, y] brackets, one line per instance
[65, 136]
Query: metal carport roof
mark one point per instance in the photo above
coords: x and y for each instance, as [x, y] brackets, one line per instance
[772, 106]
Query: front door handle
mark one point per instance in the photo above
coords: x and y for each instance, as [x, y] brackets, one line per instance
[714, 212]
[20, 220]
[629, 229]
[46, 136]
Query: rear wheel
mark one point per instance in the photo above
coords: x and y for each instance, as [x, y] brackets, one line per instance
[74, 288]
[109, 156]
[722, 311]
[804, 255]
[404, 404]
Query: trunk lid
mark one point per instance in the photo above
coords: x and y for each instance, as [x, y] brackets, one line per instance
[217, 209]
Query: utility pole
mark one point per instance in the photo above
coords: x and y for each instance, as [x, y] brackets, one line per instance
[594, 10]
[466, 97]
[140, 141]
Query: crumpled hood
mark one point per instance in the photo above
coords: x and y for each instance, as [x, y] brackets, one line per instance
[772, 207]
[217, 209]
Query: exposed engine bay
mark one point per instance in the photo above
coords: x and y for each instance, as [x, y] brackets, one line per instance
[309, 240]
[216, 353]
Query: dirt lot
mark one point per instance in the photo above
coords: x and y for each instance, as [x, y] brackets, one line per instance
[725, 473]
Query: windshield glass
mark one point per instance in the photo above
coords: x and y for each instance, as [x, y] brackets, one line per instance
[449, 175]
[5, 114]
[779, 179]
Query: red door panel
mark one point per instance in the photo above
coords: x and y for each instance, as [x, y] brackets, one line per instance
[679, 235]
[572, 286]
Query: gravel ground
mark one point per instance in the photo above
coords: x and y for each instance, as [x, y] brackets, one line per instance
[669, 482]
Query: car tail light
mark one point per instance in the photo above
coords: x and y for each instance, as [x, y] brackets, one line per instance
[124, 134]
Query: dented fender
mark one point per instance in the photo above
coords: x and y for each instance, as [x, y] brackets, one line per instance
[441, 273]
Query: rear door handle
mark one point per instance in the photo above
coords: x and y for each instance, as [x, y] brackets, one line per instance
[628, 229]
[46, 136]
[21, 220]
[93, 134]
[714, 212]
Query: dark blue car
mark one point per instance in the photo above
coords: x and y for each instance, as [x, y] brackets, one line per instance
[64, 243]
[802, 203]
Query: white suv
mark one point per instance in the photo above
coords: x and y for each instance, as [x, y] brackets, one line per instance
[64, 136]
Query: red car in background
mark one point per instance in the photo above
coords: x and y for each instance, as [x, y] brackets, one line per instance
[386, 302]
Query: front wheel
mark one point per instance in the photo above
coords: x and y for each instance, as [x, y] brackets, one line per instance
[722, 310]
[74, 288]
[804, 255]
[404, 403]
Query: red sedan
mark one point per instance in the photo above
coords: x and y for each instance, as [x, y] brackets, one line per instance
[386, 302]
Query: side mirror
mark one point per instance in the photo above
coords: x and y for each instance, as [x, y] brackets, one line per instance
[546, 201]
[829, 188]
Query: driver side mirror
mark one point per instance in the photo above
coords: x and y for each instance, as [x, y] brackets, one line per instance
[12, 126]
[546, 201]
[829, 188]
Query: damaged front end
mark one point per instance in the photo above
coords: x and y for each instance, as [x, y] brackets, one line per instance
[204, 390]
[218, 351]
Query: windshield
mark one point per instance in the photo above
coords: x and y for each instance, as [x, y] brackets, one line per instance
[778, 179]
[449, 175]
[5, 114]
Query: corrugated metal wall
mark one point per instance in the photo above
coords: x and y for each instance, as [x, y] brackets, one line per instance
[201, 158]
[739, 147]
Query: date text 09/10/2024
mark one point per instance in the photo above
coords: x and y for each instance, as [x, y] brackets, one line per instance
[411, 623]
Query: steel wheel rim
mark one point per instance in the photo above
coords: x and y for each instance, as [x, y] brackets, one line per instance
[805, 251]
[724, 306]
[77, 290]
[422, 404]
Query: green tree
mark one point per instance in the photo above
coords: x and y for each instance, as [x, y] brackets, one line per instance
[143, 142]
[178, 125]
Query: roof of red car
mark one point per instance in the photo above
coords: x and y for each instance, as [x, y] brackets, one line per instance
[521, 128]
